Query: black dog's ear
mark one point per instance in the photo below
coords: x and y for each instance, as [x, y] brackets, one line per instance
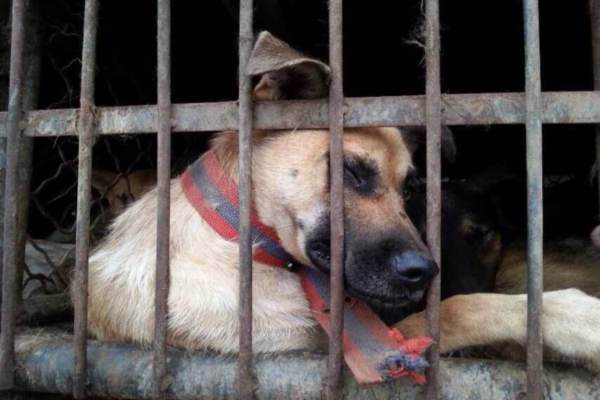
[493, 179]
[594, 171]
[414, 137]
[286, 73]
[596, 236]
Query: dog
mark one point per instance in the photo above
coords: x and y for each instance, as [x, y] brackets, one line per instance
[484, 278]
[119, 190]
[112, 193]
[386, 263]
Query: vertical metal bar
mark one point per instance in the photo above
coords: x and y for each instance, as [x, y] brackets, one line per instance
[9, 275]
[31, 84]
[336, 159]
[86, 141]
[595, 19]
[164, 199]
[434, 186]
[246, 39]
[533, 96]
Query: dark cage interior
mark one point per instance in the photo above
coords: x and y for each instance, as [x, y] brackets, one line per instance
[482, 52]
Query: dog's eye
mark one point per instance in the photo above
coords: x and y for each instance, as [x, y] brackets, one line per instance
[480, 233]
[360, 176]
[407, 192]
[351, 174]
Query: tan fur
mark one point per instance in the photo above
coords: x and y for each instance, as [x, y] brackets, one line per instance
[578, 268]
[290, 186]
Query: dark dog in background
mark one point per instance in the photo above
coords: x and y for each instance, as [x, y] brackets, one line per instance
[484, 270]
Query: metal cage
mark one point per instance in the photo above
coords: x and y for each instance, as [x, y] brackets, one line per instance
[532, 108]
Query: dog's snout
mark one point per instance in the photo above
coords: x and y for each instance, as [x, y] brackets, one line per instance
[410, 267]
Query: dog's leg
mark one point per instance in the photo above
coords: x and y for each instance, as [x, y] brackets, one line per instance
[570, 323]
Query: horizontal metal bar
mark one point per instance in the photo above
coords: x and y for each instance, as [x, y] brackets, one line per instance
[457, 109]
[122, 371]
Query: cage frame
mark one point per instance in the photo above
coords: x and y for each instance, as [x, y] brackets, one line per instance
[533, 108]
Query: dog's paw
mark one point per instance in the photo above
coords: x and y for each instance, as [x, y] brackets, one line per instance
[571, 319]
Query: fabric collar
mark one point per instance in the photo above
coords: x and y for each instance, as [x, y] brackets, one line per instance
[372, 350]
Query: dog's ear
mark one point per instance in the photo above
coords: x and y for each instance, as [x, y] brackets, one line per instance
[414, 137]
[284, 72]
[493, 179]
[596, 236]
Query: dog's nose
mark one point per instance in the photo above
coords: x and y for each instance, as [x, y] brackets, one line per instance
[412, 268]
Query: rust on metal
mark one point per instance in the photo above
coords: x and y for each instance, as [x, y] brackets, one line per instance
[31, 85]
[246, 379]
[336, 195]
[433, 108]
[457, 109]
[163, 215]
[86, 141]
[595, 21]
[9, 262]
[533, 89]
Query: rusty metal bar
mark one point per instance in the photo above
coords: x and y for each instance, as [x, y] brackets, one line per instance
[595, 21]
[9, 273]
[31, 81]
[246, 379]
[31, 85]
[433, 109]
[535, 232]
[457, 109]
[163, 215]
[86, 142]
[336, 195]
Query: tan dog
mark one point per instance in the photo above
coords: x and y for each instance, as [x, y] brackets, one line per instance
[119, 190]
[387, 265]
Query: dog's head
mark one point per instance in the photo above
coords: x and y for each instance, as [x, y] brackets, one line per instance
[470, 234]
[386, 262]
[120, 190]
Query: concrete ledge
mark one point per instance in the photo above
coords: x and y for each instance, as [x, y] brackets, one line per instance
[45, 364]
